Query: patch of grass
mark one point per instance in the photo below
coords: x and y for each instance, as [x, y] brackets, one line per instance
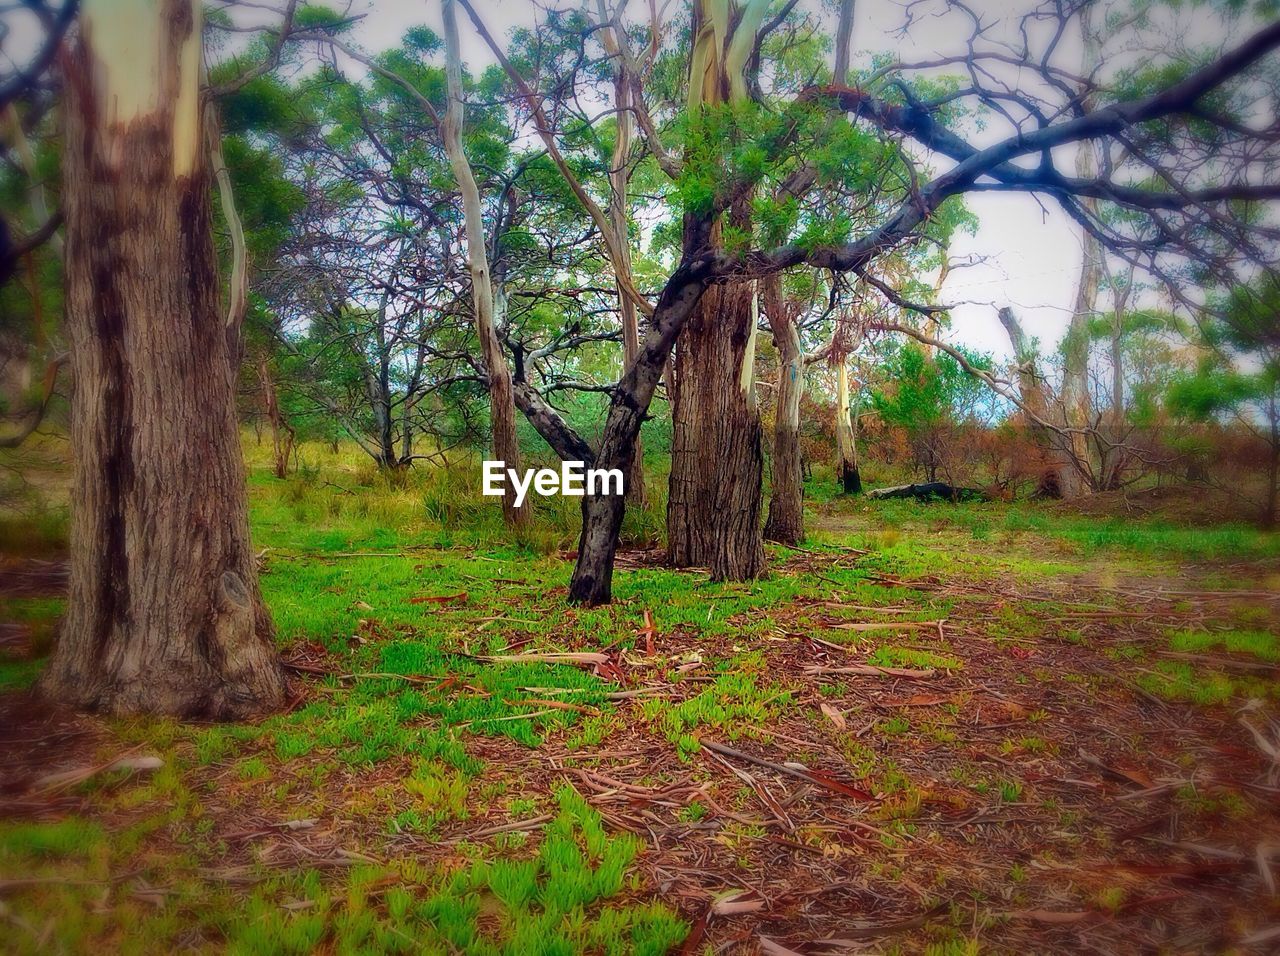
[1260, 644]
[734, 704]
[1178, 680]
[891, 656]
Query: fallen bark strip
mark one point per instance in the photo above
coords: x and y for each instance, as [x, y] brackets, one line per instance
[870, 670]
[531, 824]
[568, 657]
[818, 780]
[889, 625]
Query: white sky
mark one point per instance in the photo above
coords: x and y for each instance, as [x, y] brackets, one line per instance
[1032, 251]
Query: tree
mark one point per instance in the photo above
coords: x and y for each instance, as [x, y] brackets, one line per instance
[785, 522]
[164, 613]
[1240, 376]
[484, 297]
[928, 397]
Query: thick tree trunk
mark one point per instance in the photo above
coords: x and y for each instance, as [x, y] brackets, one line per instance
[713, 508]
[164, 613]
[1072, 448]
[847, 472]
[785, 523]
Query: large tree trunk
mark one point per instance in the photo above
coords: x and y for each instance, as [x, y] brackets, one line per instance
[785, 523]
[502, 411]
[1072, 448]
[713, 509]
[164, 613]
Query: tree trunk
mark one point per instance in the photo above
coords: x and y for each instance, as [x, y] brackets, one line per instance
[282, 433]
[713, 509]
[619, 182]
[1072, 448]
[1031, 389]
[1272, 514]
[592, 581]
[847, 472]
[502, 412]
[164, 613]
[785, 523]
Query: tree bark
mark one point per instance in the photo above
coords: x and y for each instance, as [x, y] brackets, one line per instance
[282, 433]
[1074, 470]
[164, 614]
[847, 471]
[501, 398]
[619, 182]
[785, 523]
[713, 508]
[717, 466]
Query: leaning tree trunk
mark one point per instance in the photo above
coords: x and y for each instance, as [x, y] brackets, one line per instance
[164, 613]
[592, 581]
[847, 472]
[785, 523]
[713, 509]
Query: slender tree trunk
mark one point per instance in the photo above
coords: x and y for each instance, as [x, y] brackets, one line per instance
[164, 613]
[502, 411]
[1031, 389]
[1272, 515]
[1072, 450]
[785, 523]
[619, 181]
[847, 472]
[282, 433]
[717, 465]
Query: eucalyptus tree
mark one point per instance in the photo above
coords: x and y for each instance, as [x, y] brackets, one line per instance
[164, 612]
[1179, 183]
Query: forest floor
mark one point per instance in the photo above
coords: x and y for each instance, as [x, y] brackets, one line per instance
[949, 729]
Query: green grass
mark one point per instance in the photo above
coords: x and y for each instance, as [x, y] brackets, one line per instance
[1263, 645]
[562, 899]
[389, 750]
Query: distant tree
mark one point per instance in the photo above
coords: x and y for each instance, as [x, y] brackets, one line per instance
[1240, 377]
[929, 397]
